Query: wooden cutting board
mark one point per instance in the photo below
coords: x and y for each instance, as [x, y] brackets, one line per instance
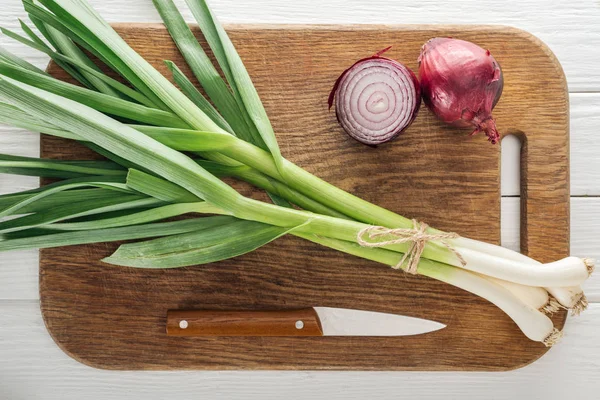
[114, 318]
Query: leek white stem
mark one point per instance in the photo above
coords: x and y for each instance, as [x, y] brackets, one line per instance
[534, 296]
[492, 249]
[534, 324]
[571, 297]
[570, 271]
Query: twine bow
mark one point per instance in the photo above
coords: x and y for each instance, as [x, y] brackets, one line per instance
[417, 236]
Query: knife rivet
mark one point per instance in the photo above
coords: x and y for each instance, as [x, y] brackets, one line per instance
[299, 324]
[183, 324]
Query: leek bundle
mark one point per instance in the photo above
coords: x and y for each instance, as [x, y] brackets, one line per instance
[168, 148]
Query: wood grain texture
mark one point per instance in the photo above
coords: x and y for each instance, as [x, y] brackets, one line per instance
[432, 173]
[243, 323]
[32, 367]
[585, 147]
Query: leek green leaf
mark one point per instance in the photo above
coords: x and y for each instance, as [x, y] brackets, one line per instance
[203, 69]
[122, 141]
[7, 56]
[196, 141]
[112, 183]
[57, 199]
[41, 46]
[231, 106]
[47, 168]
[47, 238]
[90, 72]
[73, 56]
[81, 16]
[29, 32]
[98, 101]
[125, 164]
[236, 75]
[195, 248]
[80, 34]
[66, 46]
[138, 218]
[158, 188]
[188, 140]
[77, 209]
[43, 28]
[11, 115]
[194, 94]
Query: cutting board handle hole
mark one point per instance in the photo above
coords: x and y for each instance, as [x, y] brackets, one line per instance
[510, 188]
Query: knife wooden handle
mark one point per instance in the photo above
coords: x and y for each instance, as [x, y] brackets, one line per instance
[304, 322]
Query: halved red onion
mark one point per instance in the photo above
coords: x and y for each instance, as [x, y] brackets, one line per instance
[376, 99]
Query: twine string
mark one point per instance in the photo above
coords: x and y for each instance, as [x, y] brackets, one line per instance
[417, 236]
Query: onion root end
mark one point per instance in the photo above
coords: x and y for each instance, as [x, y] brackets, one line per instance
[580, 306]
[552, 306]
[553, 338]
[590, 264]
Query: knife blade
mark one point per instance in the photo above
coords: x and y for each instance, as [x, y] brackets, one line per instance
[317, 321]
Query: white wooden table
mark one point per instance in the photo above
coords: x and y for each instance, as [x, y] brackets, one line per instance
[32, 367]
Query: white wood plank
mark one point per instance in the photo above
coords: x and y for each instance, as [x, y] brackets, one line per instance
[570, 29]
[510, 166]
[510, 223]
[585, 146]
[19, 275]
[32, 367]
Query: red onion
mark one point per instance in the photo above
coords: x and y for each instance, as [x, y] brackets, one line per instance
[461, 84]
[376, 99]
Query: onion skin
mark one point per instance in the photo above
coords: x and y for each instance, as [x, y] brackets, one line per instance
[376, 99]
[461, 84]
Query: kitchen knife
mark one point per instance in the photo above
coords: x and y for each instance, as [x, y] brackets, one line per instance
[317, 321]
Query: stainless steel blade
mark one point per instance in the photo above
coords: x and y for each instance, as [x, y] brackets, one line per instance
[347, 322]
